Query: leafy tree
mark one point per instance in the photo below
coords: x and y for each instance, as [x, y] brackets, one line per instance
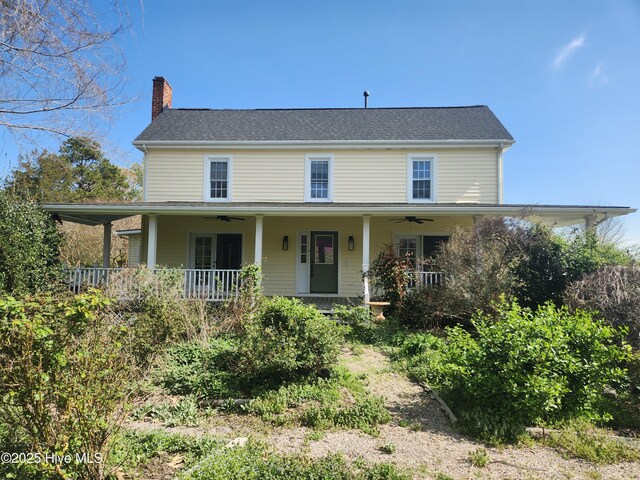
[79, 172]
[29, 246]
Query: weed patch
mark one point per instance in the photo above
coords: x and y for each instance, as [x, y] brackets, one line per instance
[581, 440]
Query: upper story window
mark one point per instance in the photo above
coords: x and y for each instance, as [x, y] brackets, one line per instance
[421, 177]
[318, 182]
[217, 178]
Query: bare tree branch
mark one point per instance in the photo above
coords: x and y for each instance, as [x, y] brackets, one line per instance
[61, 71]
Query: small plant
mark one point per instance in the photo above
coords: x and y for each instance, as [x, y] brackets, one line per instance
[443, 476]
[479, 458]
[581, 440]
[132, 449]
[388, 448]
[185, 412]
[315, 436]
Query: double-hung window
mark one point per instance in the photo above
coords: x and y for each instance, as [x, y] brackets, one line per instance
[318, 178]
[217, 178]
[421, 177]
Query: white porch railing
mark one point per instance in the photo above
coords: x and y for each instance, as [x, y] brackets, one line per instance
[210, 285]
[431, 278]
[78, 278]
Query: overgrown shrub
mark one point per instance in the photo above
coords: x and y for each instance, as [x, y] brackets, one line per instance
[512, 257]
[478, 265]
[64, 372]
[587, 252]
[236, 310]
[391, 274]
[287, 339]
[156, 311]
[541, 269]
[29, 247]
[521, 368]
[614, 292]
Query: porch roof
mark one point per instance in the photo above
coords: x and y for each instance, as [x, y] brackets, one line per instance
[558, 215]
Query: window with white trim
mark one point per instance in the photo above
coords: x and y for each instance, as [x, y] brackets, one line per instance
[421, 178]
[217, 178]
[318, 178]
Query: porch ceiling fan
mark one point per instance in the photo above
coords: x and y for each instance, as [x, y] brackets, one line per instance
[225, 218]
[411, 219]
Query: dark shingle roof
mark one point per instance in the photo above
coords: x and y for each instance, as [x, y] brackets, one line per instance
[340, 124]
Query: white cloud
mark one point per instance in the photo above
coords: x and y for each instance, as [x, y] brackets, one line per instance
[568, 50]
[598, 76]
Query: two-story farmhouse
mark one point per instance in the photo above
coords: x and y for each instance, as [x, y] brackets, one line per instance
[312, 195]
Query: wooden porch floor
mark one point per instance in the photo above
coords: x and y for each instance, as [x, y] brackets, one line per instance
[325, 304]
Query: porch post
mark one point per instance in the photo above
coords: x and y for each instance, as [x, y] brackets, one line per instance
[106, 245]
[366, 230]
[258, 250]
[152, 241]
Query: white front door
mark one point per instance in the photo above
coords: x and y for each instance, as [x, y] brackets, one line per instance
[302, 263]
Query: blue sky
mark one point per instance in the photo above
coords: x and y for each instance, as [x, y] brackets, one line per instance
[563, 76]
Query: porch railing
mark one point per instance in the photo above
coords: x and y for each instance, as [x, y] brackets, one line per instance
[210, 285]
[431, 278]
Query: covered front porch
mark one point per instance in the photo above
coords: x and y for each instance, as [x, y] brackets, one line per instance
[304, 250]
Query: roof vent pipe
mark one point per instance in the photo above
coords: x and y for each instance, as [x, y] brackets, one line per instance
[366, 98]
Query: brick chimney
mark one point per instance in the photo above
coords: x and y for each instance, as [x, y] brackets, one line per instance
[161, 97]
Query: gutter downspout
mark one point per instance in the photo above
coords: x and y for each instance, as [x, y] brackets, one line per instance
[500, 173]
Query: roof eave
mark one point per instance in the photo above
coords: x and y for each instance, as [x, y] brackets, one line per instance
[351, 210]
[334, 144]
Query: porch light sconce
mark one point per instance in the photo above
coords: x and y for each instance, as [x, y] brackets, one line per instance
[285, 242]
[351, 243]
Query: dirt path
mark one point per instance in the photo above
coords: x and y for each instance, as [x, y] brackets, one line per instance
[426, 444]
[429, 445]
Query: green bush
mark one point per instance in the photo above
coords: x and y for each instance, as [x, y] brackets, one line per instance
[286, 340]
[521, 368]
[586, 252]
[204, 369]
[64, 373]
[29, 247]
[357, 319]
